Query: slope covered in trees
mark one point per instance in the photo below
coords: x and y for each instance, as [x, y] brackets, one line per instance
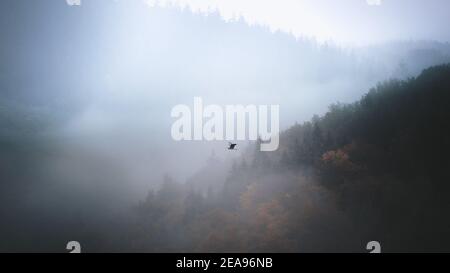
[376, 169]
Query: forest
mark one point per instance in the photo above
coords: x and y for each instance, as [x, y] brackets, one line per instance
[373, 169]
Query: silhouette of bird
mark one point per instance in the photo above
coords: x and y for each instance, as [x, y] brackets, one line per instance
[232, 146]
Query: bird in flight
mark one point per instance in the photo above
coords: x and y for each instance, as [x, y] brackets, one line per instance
[232, 146]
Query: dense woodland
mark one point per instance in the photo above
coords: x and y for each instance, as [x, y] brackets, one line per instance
[376, 169]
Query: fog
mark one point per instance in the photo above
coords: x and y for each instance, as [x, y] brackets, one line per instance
[87, 93]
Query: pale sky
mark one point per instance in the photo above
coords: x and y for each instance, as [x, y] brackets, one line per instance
[353, 22]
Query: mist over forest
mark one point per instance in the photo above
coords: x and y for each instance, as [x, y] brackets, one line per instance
[86, 152]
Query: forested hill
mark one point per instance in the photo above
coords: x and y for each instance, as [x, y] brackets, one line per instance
[376, 169]
[399, 127]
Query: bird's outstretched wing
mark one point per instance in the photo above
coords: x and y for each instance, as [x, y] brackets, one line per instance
[232, 146]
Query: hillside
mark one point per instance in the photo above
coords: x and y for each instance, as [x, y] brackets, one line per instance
[375, 169]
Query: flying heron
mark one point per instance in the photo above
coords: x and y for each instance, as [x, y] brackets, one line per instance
[232, 146]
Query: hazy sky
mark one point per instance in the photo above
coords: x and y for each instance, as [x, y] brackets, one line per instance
[344, 21]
